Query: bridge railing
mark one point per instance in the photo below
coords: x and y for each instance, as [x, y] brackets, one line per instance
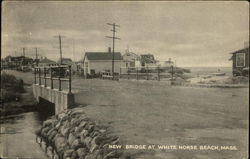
[60, 73]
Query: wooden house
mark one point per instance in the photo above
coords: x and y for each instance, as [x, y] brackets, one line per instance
[240, 62]
[96, 62]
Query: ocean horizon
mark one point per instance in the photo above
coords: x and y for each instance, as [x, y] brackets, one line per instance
[209, 70]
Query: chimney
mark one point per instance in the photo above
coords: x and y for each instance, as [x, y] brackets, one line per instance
[109, 49]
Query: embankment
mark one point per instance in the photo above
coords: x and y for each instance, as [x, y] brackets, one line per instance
[16, 97]
[72, 135]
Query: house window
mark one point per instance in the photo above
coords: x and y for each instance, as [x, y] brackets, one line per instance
[92, 71]
[240, 60]
[86, 64]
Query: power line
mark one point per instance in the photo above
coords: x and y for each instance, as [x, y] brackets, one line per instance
[114, 38]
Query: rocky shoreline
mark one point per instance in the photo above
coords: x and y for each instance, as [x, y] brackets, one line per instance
[72, 135]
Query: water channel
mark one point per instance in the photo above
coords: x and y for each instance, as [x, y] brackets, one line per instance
[17, 137]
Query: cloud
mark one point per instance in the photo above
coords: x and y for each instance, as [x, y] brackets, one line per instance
[203, 33]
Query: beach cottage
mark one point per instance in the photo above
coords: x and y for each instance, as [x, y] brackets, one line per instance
[45, 62]
[130, 59]
[96, 62]
[240, 62]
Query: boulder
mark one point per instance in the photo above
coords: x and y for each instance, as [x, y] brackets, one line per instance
[93, 147]
[49, 122]
[50, 151]
[75, 122]
[60, 143]
[110, 155]
[80, 127]
[62, 116]
[71, 138]
[76, 144]
[68, 153]
[44, 131]
[52, 135]
[84, 133]
[64, 131]
[87, 141]
[74, 155]
[82, 152]
[77, 111]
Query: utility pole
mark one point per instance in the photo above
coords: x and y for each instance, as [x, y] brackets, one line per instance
[113, 37]
[36, 58]
[60, 47]
[24, 52]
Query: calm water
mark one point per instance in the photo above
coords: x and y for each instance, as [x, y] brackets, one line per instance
[17, 137]
[209, 70]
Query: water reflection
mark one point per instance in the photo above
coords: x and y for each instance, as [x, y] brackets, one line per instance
[17, 136]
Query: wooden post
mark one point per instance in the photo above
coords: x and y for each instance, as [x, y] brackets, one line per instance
[35, 74]
[45, 82]
[147, 72]
[51, 77]
[136, 73]
[158, 69]
[128, 73]
[120, 72]
[59, 79]
[69, 79]
[39, 75]
[172, 72]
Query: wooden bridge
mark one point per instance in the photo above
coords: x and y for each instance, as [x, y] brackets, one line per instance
[53, 84]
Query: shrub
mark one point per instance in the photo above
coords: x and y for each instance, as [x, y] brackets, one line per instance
[10, 82]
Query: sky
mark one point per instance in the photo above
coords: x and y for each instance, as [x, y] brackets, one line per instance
[194, 34]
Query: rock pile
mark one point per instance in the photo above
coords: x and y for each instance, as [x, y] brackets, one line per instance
[72, 135]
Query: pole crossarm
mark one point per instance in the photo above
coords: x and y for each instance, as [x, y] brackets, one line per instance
[114, 25]
[113, 37]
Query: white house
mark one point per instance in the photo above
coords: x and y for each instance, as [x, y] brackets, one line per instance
[167, 63]
[46, 62]
[131, 59]
[96, 62]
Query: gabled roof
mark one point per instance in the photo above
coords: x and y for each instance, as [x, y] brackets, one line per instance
[103, 56]
[148, 58]
[130, 53]
[47, 61]
[66, 59]
[246, 50]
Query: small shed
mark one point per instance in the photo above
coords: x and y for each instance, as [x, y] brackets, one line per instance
[240, 62]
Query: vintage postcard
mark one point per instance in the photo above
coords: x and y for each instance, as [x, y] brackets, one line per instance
[124, 80]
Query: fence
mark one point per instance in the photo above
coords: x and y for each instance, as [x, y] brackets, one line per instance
[147, 73]
[53, 76]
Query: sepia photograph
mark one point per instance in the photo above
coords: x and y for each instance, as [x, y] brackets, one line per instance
[124, 80]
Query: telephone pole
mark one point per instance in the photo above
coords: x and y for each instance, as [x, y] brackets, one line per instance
[36, 58]
[113, 37]
[24, 52]
[60, 47]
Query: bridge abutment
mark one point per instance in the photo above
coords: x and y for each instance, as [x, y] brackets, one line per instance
[62, 99]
